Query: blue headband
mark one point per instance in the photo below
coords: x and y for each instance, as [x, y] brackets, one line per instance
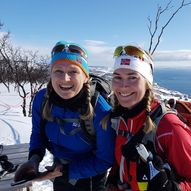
[72, 57]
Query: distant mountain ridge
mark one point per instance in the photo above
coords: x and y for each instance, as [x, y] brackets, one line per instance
[160, 92]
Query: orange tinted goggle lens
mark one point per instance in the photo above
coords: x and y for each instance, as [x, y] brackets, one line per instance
[70, 48]
[129, 50]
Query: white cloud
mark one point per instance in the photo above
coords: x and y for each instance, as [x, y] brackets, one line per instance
[175, 55]
[99, 53]
[42, 49]
[175, 58]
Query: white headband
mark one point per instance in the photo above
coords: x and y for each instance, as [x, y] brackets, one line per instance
[133, 63]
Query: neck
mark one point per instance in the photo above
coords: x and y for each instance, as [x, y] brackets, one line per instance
[74, 103]
[127, 113]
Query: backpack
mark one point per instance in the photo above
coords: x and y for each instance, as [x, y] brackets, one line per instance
[99, 86]
[183, 109]
[179, 107]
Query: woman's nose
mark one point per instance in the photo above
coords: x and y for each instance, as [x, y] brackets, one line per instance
[66, 77]
[124, 83]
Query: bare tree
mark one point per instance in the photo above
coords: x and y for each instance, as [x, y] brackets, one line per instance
[26, 69]
[154, 29]
[4, 67]
[5, 77]
[37, 74]
[19, 77]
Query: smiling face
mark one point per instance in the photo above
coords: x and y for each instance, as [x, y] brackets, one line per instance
[67, 79]
[128, 86]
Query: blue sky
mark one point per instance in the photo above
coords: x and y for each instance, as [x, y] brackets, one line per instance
[98, 25]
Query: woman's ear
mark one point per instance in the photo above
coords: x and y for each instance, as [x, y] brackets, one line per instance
[86, 79]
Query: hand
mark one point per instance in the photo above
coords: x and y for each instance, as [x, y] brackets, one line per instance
[52, 172]
[160, 183]
[28, 170]
[159, 180]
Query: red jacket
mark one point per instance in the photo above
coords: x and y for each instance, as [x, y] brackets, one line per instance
[173, 144]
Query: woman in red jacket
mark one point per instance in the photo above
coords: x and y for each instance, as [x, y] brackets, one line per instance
[159, 163]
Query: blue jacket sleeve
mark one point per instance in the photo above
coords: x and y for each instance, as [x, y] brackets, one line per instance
[36, 143]
[103, 156]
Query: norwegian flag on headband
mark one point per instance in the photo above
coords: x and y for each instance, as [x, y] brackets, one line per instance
[125, 61]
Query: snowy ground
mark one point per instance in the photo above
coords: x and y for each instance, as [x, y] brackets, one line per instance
[15, 129]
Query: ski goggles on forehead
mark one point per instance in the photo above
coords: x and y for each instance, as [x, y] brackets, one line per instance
[131, 51]
[73, 48]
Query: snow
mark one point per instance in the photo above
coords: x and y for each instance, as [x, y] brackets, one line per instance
[15, 128]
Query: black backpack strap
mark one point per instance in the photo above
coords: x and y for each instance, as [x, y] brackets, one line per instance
[94, 98]
[89, 131]
[68, 120]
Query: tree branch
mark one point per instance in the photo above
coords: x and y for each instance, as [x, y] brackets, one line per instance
[161, 11]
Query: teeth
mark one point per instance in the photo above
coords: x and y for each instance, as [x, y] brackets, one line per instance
[66, 86]
[123, 94]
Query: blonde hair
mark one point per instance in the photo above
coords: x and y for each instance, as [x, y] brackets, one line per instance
[90, 111]
[149, 95]
[104, 121]
[46, 112]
